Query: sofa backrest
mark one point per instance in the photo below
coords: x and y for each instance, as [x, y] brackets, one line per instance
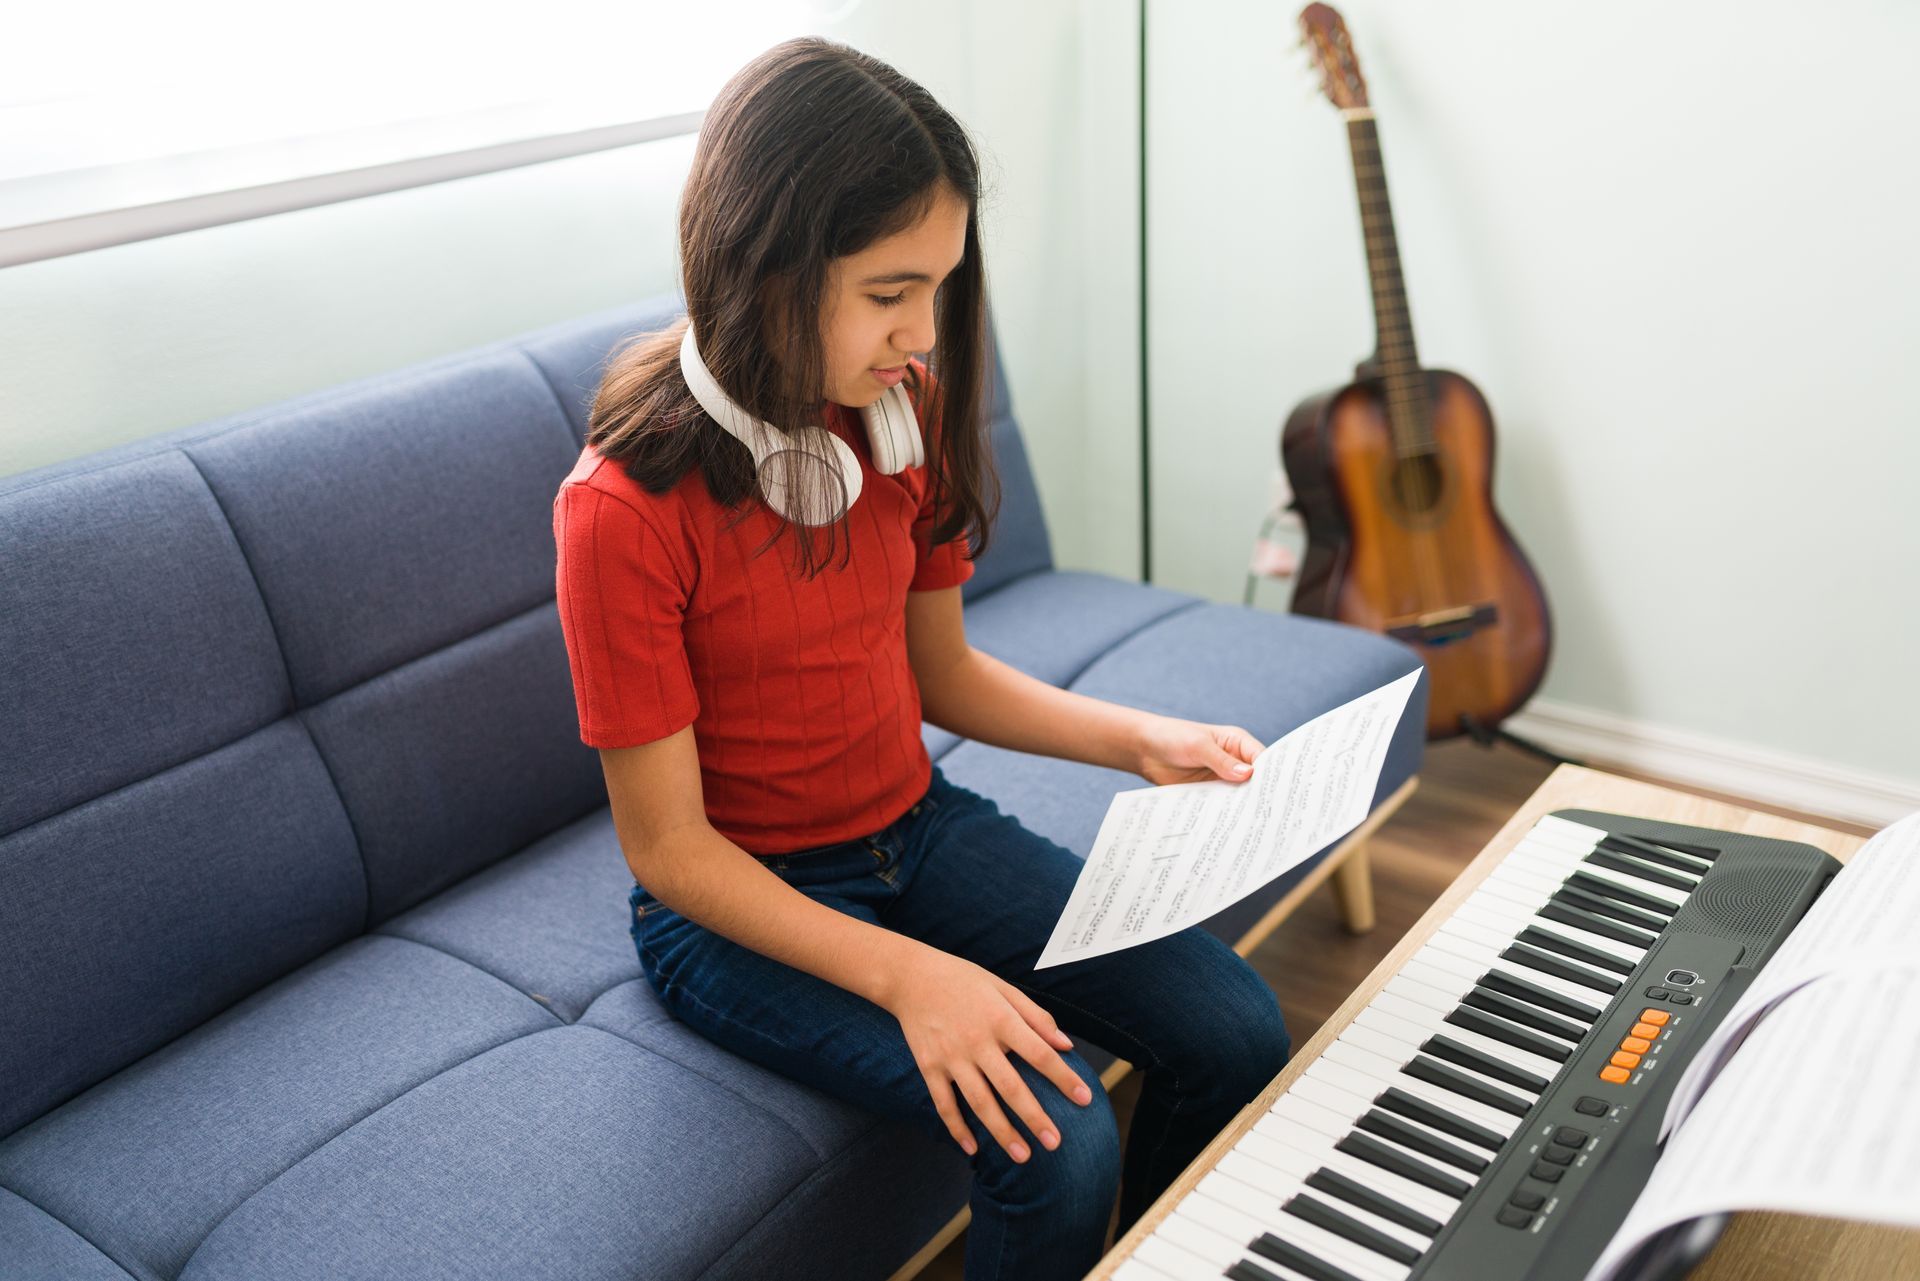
[268, 681]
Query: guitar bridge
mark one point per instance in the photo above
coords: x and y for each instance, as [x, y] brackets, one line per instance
[1443, 626]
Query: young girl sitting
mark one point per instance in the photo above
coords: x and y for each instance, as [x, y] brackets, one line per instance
[760, 557]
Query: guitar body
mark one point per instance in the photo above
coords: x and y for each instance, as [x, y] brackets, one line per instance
[1413, 548]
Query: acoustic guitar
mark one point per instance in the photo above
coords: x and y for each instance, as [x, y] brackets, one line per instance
[1393, 479]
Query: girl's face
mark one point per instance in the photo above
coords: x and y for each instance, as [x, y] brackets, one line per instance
[878, 308]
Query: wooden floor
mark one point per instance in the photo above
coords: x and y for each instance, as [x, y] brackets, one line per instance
[1466, 794]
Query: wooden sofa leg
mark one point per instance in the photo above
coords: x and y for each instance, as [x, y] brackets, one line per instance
[1353, 890]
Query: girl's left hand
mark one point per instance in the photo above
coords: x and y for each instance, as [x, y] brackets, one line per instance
[1177, 751]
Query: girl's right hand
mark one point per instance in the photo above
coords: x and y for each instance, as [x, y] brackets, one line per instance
[960, 1020]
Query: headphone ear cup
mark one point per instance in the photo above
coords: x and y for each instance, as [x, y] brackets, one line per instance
[814, 482]
[893, 432]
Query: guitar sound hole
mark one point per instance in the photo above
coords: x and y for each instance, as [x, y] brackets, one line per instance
[1416, 484]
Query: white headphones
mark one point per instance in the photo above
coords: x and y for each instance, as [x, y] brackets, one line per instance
[809, 475]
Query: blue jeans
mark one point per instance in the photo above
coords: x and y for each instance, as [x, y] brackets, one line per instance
[955, 873]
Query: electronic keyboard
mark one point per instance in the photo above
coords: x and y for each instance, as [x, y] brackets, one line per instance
[1494, 1110]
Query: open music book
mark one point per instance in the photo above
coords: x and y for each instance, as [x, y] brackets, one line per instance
[1802, 1100]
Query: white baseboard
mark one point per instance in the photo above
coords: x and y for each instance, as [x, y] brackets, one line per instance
[1717, 764]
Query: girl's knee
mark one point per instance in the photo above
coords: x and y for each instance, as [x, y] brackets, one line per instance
[1084, 1168]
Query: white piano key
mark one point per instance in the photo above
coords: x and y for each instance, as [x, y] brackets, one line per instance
[1465, 1108]
[1472, 932]
[1424, 995]
[1445, 982]
[1133, 1268]
[1628, 952]
[1393, 1017]
[1202, 1208]
[1417, 1197]
[1322, 1120]
[1553, 827]
[1326, 1246]
[1171, 1252]
[1222, 1185]
[1542, 880]
[1546, 1069]
[1496, 916]
[1326, 1082]
[1594, 1002]
[1671, 897]
[1343, 1049]
[1383, 1044]
[1453, 955]
[1181, 1264]
[1517, 898]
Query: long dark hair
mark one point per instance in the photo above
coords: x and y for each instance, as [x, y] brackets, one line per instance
[811, 152]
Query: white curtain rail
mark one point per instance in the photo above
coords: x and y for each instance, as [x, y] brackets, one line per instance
[80, 232]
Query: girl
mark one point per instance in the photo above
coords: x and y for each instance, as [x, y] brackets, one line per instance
[810, 891]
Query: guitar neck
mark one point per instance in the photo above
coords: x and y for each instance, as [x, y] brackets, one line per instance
[1394, 354]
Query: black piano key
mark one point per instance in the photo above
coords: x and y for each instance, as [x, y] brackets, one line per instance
[1568, 914]
[1336, 1184]
[1299, 1260]
[1534, 959]
[1522, 1013]
[1388, 1126]
[1247, 1270]
[1434, 1072]
[1322, 1215]
[1654, 854]
[1438, 1118]
[1579, 951]
[1520, 989]
[1500, 1030]
[1706, 852]
[1630, 867]
[1600, 887]
[1360, 1146]
[1442, 1047]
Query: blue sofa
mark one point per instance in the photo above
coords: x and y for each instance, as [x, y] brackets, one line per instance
[314, 952]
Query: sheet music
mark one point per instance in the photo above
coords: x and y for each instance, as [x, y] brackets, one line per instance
[1814, 1115]
[1167, 857]
[1865, 919]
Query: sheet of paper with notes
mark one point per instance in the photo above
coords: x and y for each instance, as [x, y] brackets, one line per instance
[1168, 857]
[1802, 1100]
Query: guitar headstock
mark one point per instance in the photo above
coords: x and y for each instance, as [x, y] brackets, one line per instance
[1324, 33]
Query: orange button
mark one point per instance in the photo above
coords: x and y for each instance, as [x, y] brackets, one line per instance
[1622, 1059]
[1645, 1031]
[1639, 1045]
[1656, 1017]
[1617, 1076]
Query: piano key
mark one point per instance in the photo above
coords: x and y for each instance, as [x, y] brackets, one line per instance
[1539, 878]
[1330, 1218]
[1158, 1252]
[1496, 962]
[1133, 1269]
[1266, 1211]
[1553, 827]
[1366, 1089]
[1452, 1079]
[1562, 968]
[1396, 1017]
[1409, 1102]
[1499, 1029]
[1385, 1125]
[1305, 1112]
[1235, 1226]
[1579, 917]
[1604, 905]
[1686, 863]
[1369, 1199]
[1265, 1270]
[1423, 995]
[1635, 843]
[1282, 1251]
[1533, 1065]
[1327, 1087]
[1470, 930]
[1181, 1228]
[1600, 882]
[1543, 990]
[1397, 1161]
[1591, 949]
[1496, 890]
[1276, 1153]
[1452, 1049]
[1525, 1015]
[1681, 882]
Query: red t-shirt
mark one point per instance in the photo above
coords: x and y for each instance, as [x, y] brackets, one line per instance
[802, 702]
